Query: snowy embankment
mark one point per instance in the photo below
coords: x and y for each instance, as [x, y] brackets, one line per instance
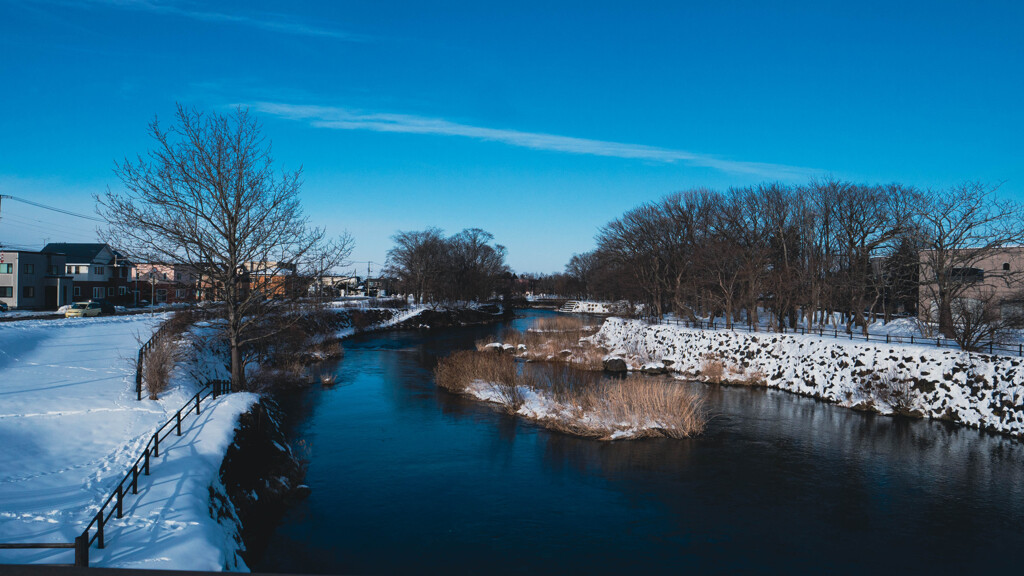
[71, 427]
[391, 317]
[978, 390]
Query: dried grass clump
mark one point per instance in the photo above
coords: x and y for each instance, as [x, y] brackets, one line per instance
[712, 369]
[459, 370]
[671, 409]
[587, 405]
[562, 324]
[157, 364]
[888, 387]
[757, 378]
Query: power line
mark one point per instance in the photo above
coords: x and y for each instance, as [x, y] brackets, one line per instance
[44, 206]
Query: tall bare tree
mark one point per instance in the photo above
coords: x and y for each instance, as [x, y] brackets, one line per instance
[961, 228]
[207, 195]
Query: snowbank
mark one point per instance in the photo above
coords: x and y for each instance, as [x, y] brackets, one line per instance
[978, 390]
[70, 427]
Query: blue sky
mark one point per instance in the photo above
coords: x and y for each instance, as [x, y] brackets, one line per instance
[537, 121]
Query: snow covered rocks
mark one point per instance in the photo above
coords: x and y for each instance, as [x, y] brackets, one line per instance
[979, 390]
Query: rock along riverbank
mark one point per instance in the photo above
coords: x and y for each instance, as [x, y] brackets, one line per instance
[978, 390]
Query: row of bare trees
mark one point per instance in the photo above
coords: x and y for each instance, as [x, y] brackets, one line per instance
[827, 252]
[434, 268]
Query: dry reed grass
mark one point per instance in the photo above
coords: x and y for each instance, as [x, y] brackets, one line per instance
[588, 405]
[712, 369]
[458, 371]
[157, 365]
[562, 324]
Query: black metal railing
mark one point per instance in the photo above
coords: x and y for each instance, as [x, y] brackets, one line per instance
[990, 347]
[113, 506]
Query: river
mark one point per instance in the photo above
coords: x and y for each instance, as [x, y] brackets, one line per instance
[407, 478]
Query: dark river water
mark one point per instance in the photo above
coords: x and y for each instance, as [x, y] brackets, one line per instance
[408, 479]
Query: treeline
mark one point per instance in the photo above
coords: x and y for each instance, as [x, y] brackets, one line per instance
[801, 254]
[431, 267]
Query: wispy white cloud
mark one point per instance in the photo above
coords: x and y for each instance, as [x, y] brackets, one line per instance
[270, 22]
[339, 118]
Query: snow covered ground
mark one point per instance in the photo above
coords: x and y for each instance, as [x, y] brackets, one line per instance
[980, 390]
[70, 427]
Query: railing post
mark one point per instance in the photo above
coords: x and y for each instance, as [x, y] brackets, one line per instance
[911, 338]
[197, 402]
[82, 550]
[177, 417]
[989, 347]
[886, 338]
[145, 462]
[120, 497]
[99, 529]
[156, 445]
[938, 343]
[135, 478]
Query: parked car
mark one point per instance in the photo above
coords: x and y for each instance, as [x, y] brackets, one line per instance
[105, 306]
[84, 309]
[3, 307]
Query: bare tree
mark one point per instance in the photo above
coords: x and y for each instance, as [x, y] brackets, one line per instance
[464, 267]
[207, 196]
[960, 229]
[416, 261]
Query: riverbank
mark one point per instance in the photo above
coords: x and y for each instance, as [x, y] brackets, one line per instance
[976, 390]
[71, 426]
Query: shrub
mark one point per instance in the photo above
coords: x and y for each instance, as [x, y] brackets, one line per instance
[157, 364]
[712, 369]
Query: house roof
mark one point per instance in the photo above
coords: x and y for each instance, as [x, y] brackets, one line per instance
[76, 252]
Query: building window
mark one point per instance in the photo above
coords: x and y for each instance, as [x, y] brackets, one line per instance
[110, 290]
[6, 292]
[6, 268]
[98, 292]
[1006, 266]
[98, 270]
[53, 270]
[122, 290]
[78, 291]
[30, 268]
[180, 293]
[967, 275]
[28, 292]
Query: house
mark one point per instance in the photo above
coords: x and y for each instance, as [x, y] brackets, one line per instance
[994, 278]
[98, 271]
[34, 280]
[271, 279]
[379, 287]
[165, 283]
[335, 286]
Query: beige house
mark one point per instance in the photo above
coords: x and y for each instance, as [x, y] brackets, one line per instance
[993, 278]
[165, 283]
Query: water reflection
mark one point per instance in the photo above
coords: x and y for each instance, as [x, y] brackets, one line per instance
[409, 478]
